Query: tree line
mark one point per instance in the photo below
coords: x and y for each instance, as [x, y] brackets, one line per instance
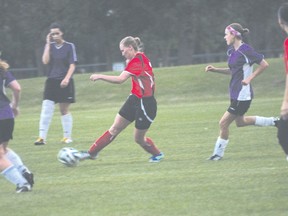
[172, 31]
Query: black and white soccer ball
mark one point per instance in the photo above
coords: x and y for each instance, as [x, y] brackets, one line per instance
[68, 156]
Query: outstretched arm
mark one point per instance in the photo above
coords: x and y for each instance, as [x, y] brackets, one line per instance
[111, 79]
[211, 68]
[284, 107]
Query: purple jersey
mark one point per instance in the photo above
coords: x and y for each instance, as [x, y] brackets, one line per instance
[5, 110]
[60, 59]
[240, 63]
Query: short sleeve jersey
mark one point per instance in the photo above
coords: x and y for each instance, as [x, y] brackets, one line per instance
[286, 54]
[60, 59]
[241, 62]
[143, 84]
[5, 110]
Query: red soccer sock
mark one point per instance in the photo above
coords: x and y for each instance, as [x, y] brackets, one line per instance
[150, 147]
[101, 142]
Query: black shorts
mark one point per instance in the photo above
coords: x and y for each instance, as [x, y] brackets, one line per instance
[6, 130]
[239, 108]
[54, 92]
[283, 134]
[143, 111]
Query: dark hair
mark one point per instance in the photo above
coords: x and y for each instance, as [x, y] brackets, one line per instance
[239, 28]
[283, 13]
[56, 25]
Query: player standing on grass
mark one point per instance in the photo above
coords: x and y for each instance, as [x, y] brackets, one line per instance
[240, 61]
[61, 58]
[140, 106]
[283, 123]
[11, 165]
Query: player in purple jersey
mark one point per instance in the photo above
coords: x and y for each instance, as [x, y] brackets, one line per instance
[11, 165]
[241, 58]
[60, 57]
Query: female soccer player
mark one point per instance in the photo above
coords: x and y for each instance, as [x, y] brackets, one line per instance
[140, 106]
[11, 166]
[283, 123]
[240, 61]
[61, 58]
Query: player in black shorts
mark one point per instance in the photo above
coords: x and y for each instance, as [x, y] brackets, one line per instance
[60, 58]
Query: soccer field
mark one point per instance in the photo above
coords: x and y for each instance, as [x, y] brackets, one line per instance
[250, 180]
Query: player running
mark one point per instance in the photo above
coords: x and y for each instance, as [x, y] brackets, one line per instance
[240, 61]
[11, 165]
[140, 106]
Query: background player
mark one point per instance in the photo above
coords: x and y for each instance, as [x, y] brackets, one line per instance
[61, 58]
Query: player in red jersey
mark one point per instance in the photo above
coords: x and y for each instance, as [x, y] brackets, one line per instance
[283, 123]
[140, 106]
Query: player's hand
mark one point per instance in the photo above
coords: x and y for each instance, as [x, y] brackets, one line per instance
[15, 110]
[210, 68]
[48, 38]
[246, 81]
[64, 83]
[95, 77]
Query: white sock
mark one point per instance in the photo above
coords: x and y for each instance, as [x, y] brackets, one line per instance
[264, 121]
[220, 146]
[47, 111]
[14, 176]
[67, 124]
[16, 160]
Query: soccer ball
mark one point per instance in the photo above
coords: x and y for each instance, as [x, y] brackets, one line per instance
[68, 156]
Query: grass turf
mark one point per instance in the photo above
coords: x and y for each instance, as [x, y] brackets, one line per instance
[250, 180]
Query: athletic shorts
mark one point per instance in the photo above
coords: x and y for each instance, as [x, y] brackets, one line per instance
[283, 134]
[6, 130]
[239, 108]
[142, 110]
[54, 92]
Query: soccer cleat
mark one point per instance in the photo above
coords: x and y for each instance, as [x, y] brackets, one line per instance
[276, 121]
[23, 188]
[215, 157]
[84, 155]
[29, 177]
[40, 141]
[156, 158]
[66, 140]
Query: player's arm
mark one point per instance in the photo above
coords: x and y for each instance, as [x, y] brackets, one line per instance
[69, 74]
[284, 107]
[16, 91]
[211, 68]
[46, 53]
[262, 66]
[111, 79]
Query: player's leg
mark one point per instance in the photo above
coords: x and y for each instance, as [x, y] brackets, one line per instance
[148, 145]
[67, 122]
[65, 97]
[255, 120]
[120, 123]
[222, 140]
[47, 111]
[10, 172]
[15, 159]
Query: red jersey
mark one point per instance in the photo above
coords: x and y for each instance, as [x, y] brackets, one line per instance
[286, 54]
[140, 68]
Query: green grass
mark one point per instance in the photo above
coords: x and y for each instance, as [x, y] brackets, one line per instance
[250, 180]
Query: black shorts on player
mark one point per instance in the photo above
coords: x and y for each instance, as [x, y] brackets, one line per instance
[239, 108]
[142, 110]
[6, 130]
[54, 92]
